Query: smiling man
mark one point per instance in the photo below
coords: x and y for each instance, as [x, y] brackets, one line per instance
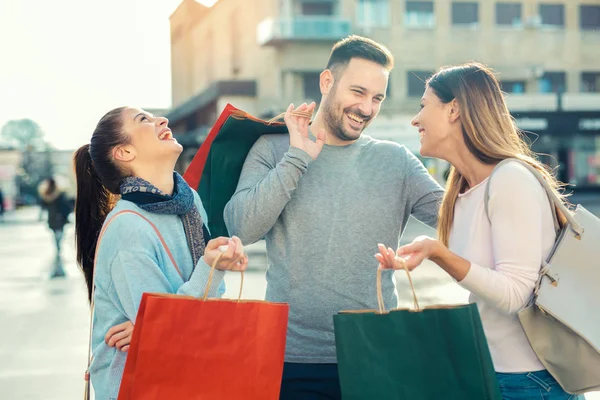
[323, 206]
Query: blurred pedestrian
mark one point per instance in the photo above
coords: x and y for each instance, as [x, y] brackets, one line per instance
[55, 201]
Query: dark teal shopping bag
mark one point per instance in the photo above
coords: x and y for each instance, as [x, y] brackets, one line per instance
[215, 170]
[434, 353]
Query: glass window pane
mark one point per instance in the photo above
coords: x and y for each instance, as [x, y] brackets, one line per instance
[589, 17]
[465, 13]
[508, 13]
[552, 14]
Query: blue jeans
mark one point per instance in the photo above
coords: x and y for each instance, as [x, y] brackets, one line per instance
[539, 385]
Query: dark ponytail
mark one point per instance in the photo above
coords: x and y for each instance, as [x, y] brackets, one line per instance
[98, 180]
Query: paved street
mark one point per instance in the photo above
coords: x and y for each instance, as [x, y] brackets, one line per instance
[44, 322]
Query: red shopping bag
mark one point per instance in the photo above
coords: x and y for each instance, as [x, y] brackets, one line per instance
[188, 348]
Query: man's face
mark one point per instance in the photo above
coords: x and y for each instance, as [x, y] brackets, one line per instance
[355, 98]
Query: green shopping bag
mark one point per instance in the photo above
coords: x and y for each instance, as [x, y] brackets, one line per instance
[434, 353]
[215, 169]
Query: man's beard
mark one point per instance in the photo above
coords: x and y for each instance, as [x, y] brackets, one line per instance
[335, 123]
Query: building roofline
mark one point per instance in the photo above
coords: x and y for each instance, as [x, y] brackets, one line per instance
[184, 3]
[211, 93]
[205, 10]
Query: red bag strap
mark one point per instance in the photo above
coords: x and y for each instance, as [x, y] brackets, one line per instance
[86, 395]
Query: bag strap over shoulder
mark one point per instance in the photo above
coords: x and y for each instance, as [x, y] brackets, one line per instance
[92, 308]
[552, 197]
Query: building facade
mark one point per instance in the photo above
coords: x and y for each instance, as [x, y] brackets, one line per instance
[260, 55]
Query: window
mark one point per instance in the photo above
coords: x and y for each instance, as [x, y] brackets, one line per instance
[373, 13]
[508, 14]
[590, 82]
[311, 85]
[419, 14]
[589, 17]
[552, 14]
[514, 87]
[553, 82]
[416, 82]
[312, 8]
[465, 13]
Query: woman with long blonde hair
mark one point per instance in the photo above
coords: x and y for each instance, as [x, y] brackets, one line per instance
[465, 121]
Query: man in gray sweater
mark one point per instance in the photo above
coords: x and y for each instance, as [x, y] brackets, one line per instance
[323, 197]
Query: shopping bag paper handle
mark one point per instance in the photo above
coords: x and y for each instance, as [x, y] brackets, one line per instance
[380, 301]
[210, 278]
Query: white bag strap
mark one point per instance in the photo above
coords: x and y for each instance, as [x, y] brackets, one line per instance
[553, 198]
[86, 395]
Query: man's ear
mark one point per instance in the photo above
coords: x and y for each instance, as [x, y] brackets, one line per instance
[124, 153]
[326, 81]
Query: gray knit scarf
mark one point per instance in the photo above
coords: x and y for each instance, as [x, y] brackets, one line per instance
[149, 198]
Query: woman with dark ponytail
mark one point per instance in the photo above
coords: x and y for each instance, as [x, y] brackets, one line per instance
[157, 241]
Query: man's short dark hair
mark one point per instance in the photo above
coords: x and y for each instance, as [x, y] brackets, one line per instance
[359, 47]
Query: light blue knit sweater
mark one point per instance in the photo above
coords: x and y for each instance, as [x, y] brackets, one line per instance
[131, 261]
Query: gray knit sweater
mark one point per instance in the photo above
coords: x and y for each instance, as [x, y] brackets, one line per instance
[322, 221]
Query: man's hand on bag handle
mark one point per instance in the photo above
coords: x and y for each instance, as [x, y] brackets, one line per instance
[233, 258]
[298, 129]
[119, 336]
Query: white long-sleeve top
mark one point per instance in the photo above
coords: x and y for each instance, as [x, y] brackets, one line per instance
[505, 257]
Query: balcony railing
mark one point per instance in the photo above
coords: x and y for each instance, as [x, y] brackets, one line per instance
[274, 31]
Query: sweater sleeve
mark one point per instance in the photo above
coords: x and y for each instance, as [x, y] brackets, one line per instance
[134, 273]
[264, 189]
[517, 207]
[425, 194]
